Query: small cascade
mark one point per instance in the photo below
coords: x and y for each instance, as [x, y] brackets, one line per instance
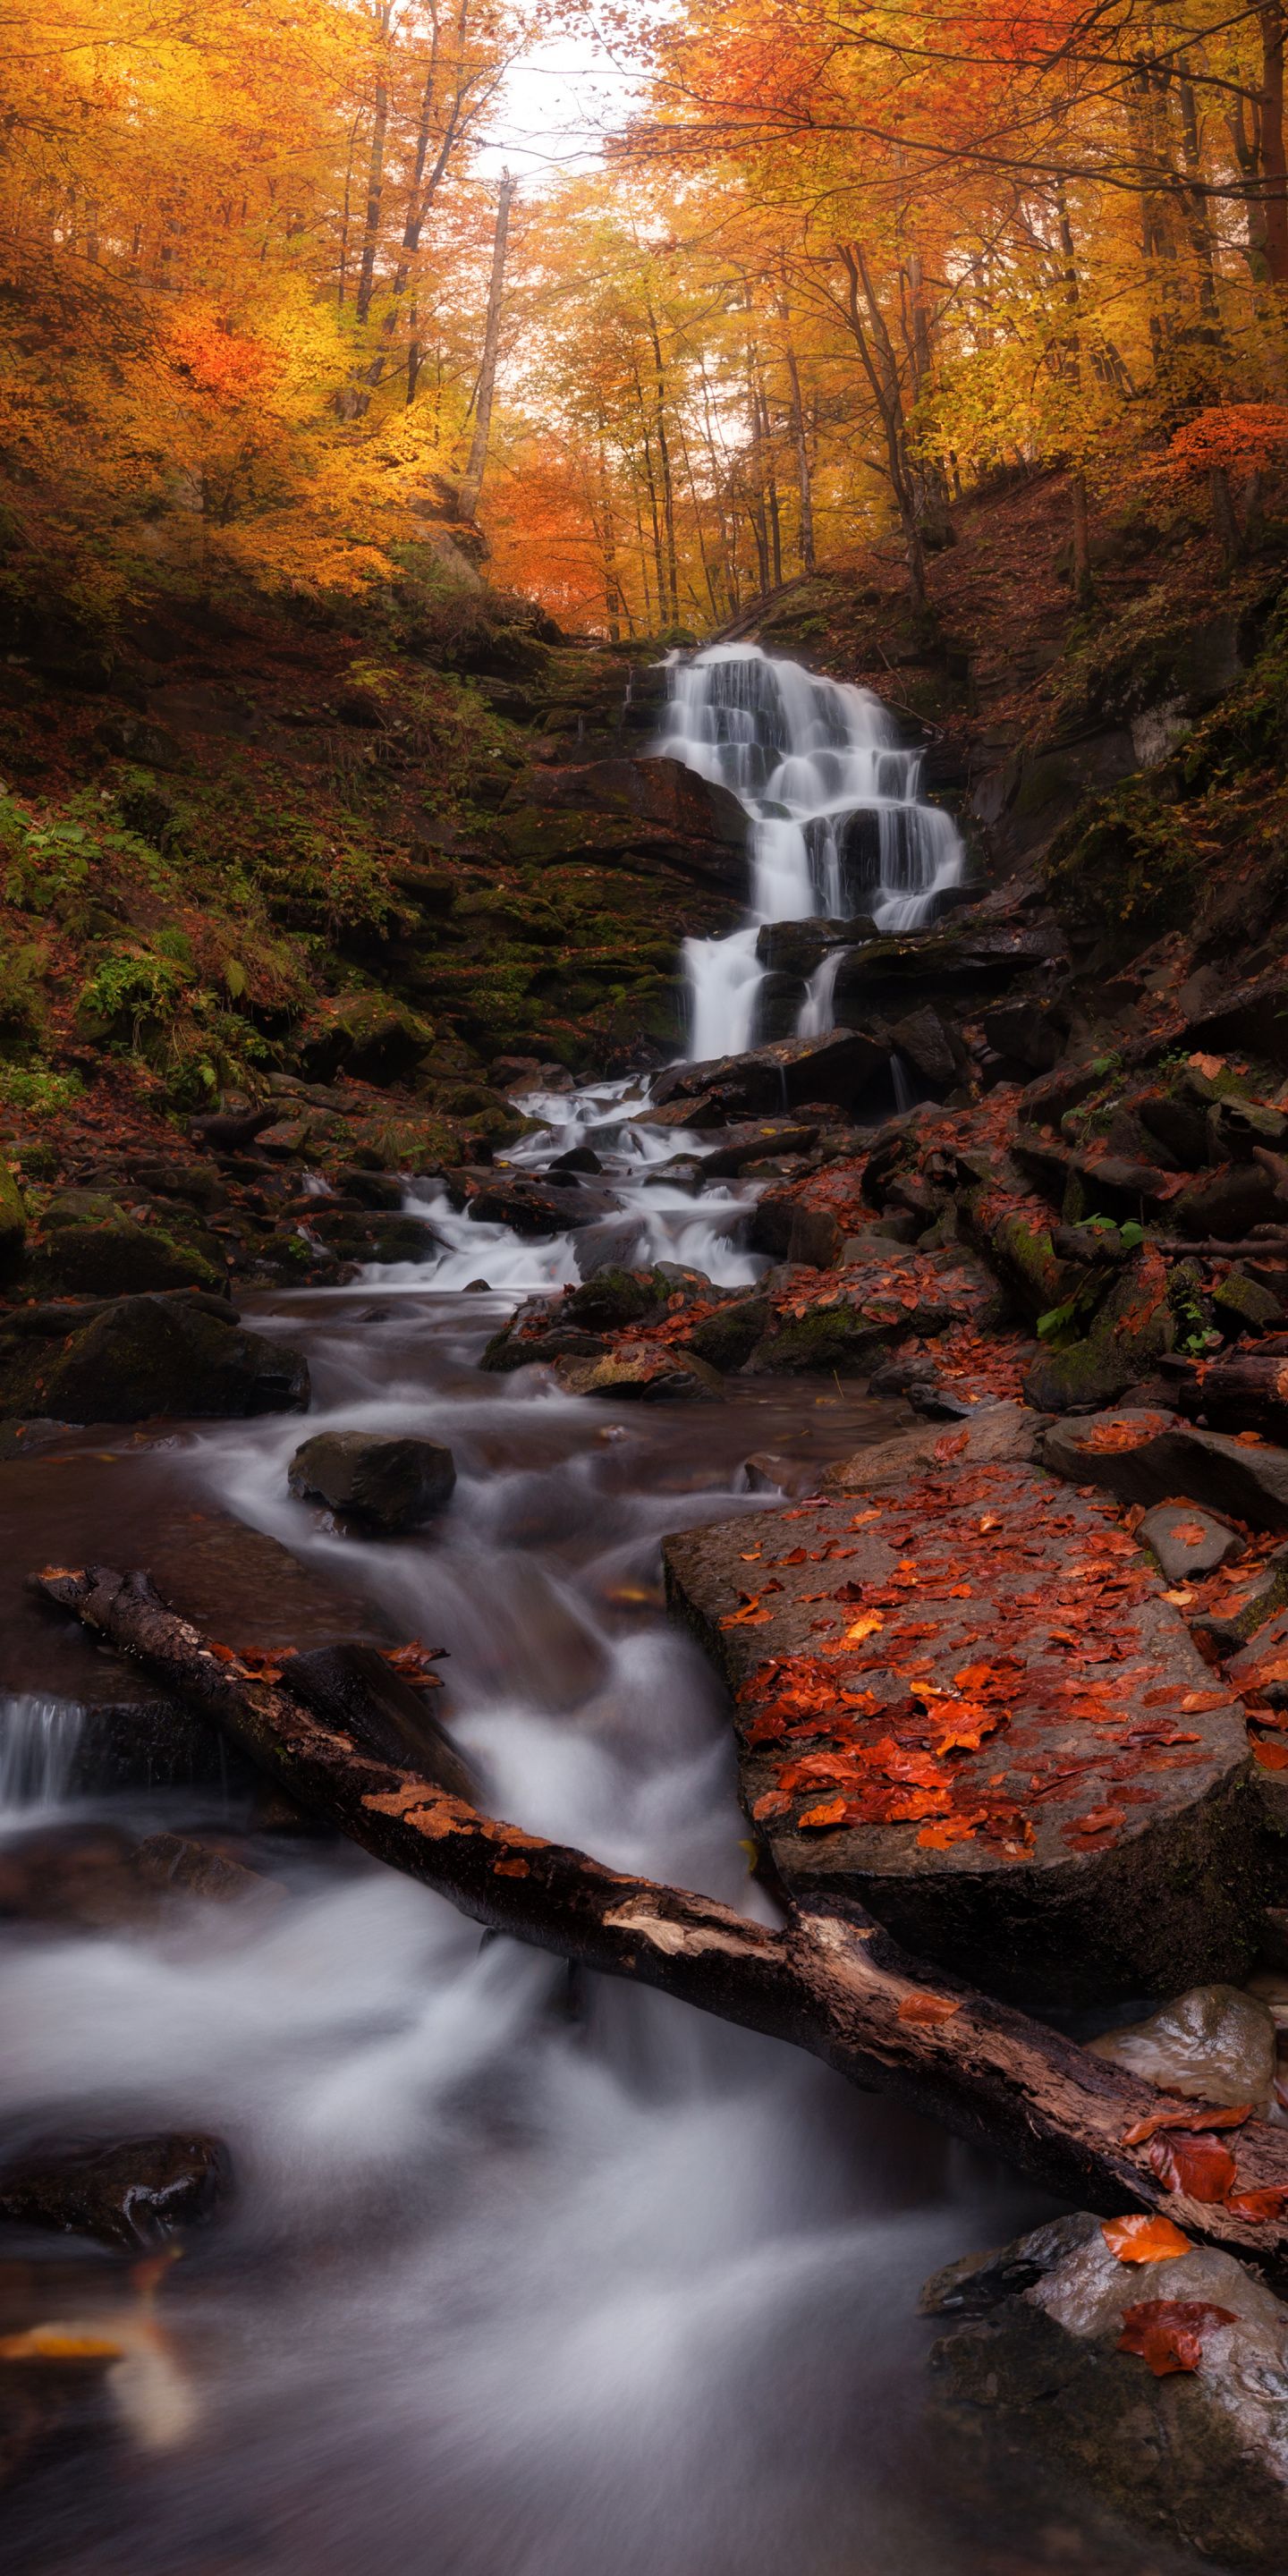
[817, 1011]
[39, 1741]
[838, 825]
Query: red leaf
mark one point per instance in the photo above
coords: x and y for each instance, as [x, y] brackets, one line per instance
[925, 2010]
[817, 1819]
[1168, 2333]
[1184, 2116]
[1270, 2202]
[1201, 2167]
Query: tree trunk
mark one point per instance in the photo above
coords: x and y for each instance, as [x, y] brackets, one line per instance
[832, 1983]
[1081, 537]
[375, 192]
[804, 485]
[1224, 517]
[664, 463]
[472, 484]
[880, 365]
[1274, 164]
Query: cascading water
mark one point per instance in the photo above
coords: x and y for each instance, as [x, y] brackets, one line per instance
[838, 824]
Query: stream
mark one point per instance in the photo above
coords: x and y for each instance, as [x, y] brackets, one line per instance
[527, 2274]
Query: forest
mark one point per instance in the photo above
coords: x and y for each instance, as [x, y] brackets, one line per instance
[644, 1174]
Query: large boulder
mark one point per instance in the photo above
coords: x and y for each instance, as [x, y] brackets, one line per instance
[845, 1066]
[381, 1485]
[92, 1247]
[1044, 2358]
[140, 1357]
[972, 1708]
[365, 1034]
[651, 808]
[1130, 1330]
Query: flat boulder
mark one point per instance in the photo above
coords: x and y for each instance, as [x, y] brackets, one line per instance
[140, 1357]
[970, 1706]
[382, 1485]
[1162, 2385]
[1142, 1454]
[1189, 1543]
[843, 1067]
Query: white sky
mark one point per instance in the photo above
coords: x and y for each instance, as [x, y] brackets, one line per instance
[555, 105]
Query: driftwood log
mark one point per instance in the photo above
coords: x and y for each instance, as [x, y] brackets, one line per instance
[832, 1982]
[1246, 1392]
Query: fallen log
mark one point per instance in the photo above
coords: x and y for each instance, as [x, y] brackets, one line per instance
[830, 1981]
[1247, 1392]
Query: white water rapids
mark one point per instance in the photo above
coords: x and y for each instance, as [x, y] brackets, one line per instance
[838, 825]
[527, 2273]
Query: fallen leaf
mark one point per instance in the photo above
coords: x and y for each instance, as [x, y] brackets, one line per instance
[1141, 2238]
[1168, 2333]
[1271, 1757]
[952, 1444]
[1201, 2167]
[1269, 2202]
[817, 1819]
[866, 1625]
[926, 2010]
[58, 2343]
[941, 1837]
[1187, 2115]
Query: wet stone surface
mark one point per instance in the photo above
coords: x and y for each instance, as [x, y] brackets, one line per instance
[968, 1704]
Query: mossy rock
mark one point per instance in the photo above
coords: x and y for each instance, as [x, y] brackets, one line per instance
[727, 1339]
[91, 1247]
[365, 1034]
[1133, 1328]
[613, 1296]
[147, 1356]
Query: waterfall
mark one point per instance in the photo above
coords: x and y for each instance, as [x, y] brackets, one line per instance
[39, 1740]
[838, 826]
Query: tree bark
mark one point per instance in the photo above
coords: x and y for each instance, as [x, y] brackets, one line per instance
[832, 1983]
[872, 339]
[472, 484]
[804, 484]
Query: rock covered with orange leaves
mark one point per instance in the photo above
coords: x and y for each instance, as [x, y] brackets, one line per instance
[970, 1705]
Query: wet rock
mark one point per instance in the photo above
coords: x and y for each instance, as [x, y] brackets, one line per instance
[92, 1247]
[352, 1686]
[727, 1339]
[751, 1144]
[531, 1343]
[1214, 2044]
[381, 1485]
[815, 1238]
[643, 1372]
[1005, 1434]
[623, 808]
[611, 1297]
[180, 1865]
[1200, 2456]
[845, 1066]
[1187, 1542]
[1228, 1204]
[136, 2192]
[143, 1356]
[1129, 1332]
[923, 1040]
[1079, 1859]
[962, 964]
[533, 1209]
[579, 1158]
[1143, 1455]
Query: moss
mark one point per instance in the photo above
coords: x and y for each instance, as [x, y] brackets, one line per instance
[728, 1338]
[1125, 868]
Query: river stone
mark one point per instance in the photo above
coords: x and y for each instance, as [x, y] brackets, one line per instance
[92, 1247]
[1031, 2365]
[644, 1372]
[1046, 1907]
[136, 2192]
[533, 1208]
[1216, 2044]
[144, 1356]
[1187, 1542]
[383, 1485]
[751, 1144]
[1006, 1432]
[1144, 1455]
